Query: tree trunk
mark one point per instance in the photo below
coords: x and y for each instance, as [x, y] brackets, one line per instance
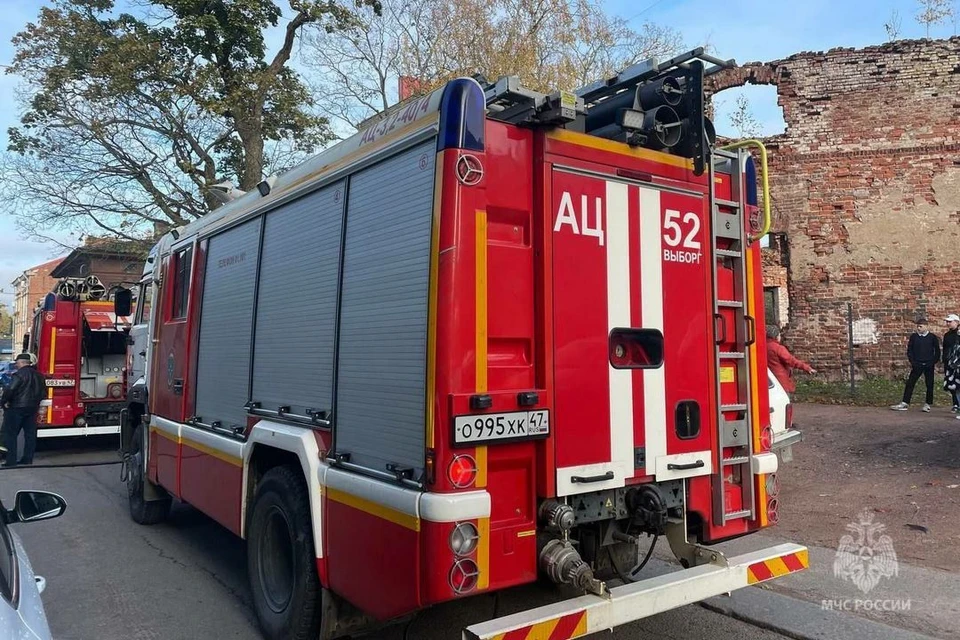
[251, 137]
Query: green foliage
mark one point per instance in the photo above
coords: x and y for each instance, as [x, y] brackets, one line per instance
[6, 322]
[132, 117]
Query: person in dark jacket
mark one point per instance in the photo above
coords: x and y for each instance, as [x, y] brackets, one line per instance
[951, 359]
[923, 352]
[21, 401]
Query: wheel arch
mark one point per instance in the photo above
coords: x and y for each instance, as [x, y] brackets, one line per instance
[272, 444]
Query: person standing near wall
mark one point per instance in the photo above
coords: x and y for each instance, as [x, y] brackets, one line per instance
[923, 352]
[951, 359]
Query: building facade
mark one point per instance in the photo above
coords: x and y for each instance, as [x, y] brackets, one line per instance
[29, 288]
[865, 186]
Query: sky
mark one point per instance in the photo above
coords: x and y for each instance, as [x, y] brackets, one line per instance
[746, 30]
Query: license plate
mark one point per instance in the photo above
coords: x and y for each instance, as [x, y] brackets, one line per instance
[500, 426]
[60, 382]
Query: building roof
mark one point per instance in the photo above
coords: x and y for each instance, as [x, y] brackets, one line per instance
[48, 263]
[132, 252]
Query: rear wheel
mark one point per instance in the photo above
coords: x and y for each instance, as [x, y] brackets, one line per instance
[142, 511]
[281, 562]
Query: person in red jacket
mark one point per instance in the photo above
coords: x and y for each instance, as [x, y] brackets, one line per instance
[781, 362]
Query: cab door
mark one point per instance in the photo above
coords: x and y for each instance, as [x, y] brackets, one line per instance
[172, 341]
[171, 362]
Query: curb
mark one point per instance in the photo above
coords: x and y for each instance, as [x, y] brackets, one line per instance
[800, 619]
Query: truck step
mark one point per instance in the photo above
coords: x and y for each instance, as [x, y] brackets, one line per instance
[733, 407]
[730, 304]
[726, 203]
[734, 515]
[736, 460]
[732, 355]
[728, 253]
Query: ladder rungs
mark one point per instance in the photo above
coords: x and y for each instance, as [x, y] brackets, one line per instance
[736, 460]
[732, 304]
[728, 253]
[731, 355]
[733, 407]
[726, 203]
[746, 513]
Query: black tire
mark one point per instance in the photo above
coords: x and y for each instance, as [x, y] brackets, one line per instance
[142, 511]
[281, 562]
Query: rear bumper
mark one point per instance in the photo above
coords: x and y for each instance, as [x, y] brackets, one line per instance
[589, 614]
[786, 438]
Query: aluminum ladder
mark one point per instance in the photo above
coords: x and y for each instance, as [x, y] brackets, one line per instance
[729, 243]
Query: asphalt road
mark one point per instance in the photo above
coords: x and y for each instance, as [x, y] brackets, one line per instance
[111, 579]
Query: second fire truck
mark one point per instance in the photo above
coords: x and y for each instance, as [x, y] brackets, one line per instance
[80, 346]
[496, 335]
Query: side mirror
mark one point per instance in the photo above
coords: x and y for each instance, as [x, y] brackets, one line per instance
[122, 302]
[30, 506]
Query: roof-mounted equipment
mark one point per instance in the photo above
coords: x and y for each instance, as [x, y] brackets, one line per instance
[657, 105]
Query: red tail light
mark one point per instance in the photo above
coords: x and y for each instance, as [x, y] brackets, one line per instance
[462, 471]
[464, 575]
[789, 415]
[773, 511]
[766, 439]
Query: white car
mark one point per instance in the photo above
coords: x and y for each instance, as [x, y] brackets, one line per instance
[21, 611]
[781, 420]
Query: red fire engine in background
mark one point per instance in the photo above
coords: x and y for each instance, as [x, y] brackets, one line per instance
[80, 346]
[495, 335]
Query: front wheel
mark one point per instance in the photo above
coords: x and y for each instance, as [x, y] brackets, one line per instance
[281, 562]
[142, 511]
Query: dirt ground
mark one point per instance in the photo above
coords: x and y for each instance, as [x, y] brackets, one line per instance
[902, 466]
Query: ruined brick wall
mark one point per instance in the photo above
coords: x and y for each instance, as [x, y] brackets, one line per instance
[775, 280]
[866, 184]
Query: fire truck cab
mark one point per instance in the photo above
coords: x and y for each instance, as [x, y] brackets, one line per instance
[80, 345]
[496, 335]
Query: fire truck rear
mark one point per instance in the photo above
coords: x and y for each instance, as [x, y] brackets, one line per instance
[494, 336]
[80, 346]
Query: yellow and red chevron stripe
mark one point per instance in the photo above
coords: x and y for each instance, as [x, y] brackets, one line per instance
[566, 627]
[776, 567]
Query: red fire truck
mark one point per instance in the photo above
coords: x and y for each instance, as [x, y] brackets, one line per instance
[494, 336]
[80, 346]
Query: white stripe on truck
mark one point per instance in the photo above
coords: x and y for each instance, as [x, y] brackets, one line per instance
[651, 311]
[618, 316]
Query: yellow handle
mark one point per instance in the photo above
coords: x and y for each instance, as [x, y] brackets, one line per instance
[763, 181]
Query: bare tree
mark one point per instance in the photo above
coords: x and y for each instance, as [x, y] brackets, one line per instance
[550, 44]
[892, 25]
[742, 119]
[357, 69]
[933, 12]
